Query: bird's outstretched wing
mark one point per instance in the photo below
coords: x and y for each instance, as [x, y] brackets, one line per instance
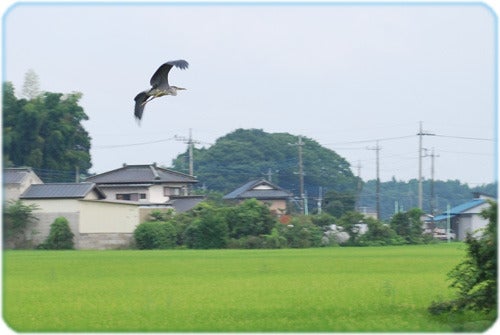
[140, 100]
[160, 77]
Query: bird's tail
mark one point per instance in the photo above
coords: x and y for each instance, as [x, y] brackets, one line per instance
[140, 103]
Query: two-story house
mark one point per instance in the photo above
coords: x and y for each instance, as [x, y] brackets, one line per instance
[143, 183]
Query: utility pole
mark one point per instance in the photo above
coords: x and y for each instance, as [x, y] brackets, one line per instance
[190, 142]
[432, 202]
[377, 150]
[269, 175]
[300, 144]
[420, 156]
[320, 199]
[359, 186]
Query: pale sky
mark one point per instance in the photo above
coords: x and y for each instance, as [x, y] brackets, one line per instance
[345, 75]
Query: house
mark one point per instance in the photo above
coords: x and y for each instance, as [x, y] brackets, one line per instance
[17, 180]
[143, 183]
[81, 204]
[272, 195]
[464, 218]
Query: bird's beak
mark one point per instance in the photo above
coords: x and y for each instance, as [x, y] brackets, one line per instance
[181, 88]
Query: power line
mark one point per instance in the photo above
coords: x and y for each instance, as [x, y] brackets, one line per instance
[466, 138]
[371, 141]
[132, 144]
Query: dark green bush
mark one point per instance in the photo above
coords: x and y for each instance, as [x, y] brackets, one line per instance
[476, 277]
[250, 218]
[60, 236]
[301, 233]
[208, 232]
[155, 235]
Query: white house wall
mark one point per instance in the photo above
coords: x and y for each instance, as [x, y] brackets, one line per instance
[95, 224]
[47, 212]
[14, 191]
[156, 194]
[477, 223]
[54, 205]
[105, 217]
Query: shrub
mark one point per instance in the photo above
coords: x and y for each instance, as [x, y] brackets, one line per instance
[60, 236]
[251, 217]
[208, 232]
[155, 235]
[476, 277]
[274, 240]
[16, 216]
[301, 233]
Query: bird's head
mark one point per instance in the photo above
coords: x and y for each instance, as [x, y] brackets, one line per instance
[179, 88]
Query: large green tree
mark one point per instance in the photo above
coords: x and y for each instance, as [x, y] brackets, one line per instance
[45, 133]
[408, 225]
[247, 154]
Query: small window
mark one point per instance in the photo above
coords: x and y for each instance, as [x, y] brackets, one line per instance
[122, 196]
[167, 191]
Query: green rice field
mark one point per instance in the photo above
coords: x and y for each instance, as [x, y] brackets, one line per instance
[313, 290]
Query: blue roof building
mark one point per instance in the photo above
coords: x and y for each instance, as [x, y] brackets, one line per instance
[465, 218]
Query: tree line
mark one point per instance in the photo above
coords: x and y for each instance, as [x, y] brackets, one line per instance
[251, 225]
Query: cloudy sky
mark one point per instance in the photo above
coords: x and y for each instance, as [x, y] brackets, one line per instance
[344, 75]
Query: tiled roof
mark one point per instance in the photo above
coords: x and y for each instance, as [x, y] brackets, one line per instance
[60, 190]
[183, 204]
[247, 191]
[460, 209]
[141, 174]
[15, 175]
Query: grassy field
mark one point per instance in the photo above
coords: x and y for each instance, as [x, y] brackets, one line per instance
[327, 290]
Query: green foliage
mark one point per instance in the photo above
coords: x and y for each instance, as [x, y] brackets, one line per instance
[60, 236]
[408, 225]
[45, 132]
[323, 220]
[338, 203]
[251, 217]
[208, 230]
[158, 215]
[155, 235]
[379, 234]
[476, 277]
[16, 216]
[301, 233]
[274, 240]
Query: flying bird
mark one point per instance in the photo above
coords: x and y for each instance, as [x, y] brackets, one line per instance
[159, 86]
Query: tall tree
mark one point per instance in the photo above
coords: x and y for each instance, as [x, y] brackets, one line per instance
[31, 85]
[46, 133]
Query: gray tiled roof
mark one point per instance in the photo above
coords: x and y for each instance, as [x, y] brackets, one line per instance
[247, 191]
[15, 175]
[60, 190]
[183, 204]
[141, 174]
